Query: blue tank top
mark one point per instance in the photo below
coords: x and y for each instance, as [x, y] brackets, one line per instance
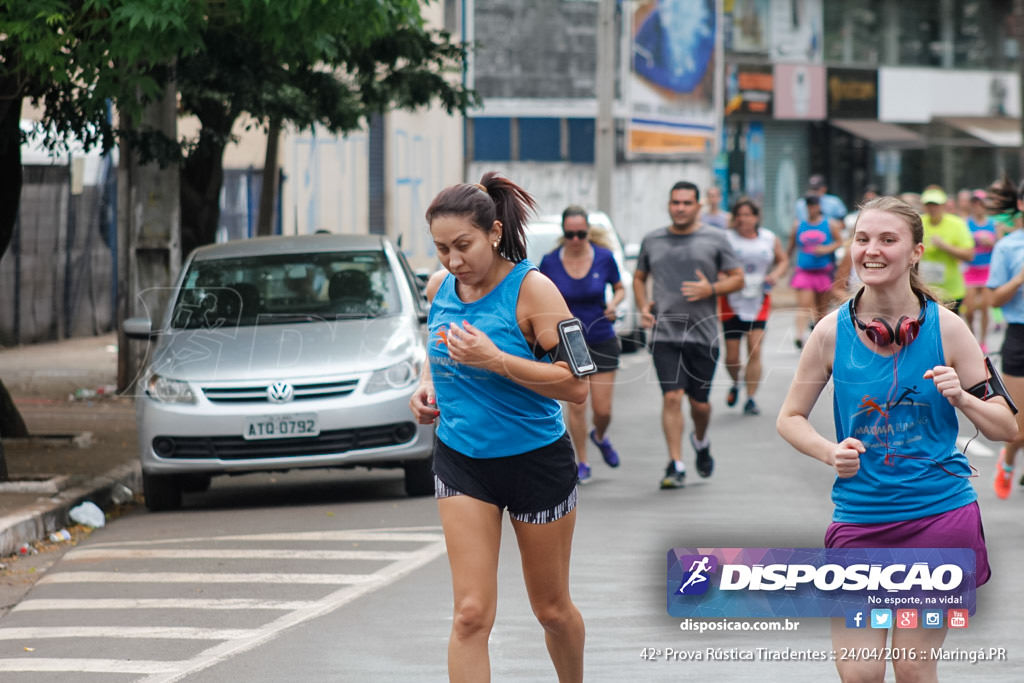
[485, 415]
[906, 425]
[809, 236]
[982, 252]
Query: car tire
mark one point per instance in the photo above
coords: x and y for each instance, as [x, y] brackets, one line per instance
[161, 492]
[419, 477]
[633, 341]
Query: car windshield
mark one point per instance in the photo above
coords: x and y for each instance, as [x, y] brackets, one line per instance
[286, 288]
[540, 240]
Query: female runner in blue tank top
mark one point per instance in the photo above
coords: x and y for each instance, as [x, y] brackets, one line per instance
[901, 482]
[501, 440]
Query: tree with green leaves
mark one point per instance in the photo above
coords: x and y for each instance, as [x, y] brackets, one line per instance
[304, 63]
[73, 57]
[299, 63]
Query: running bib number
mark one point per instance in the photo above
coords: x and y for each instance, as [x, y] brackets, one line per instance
[931, 272]
[753, 286]
[281, 426]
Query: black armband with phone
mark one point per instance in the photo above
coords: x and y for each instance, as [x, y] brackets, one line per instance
[572, 348]
[993, 386]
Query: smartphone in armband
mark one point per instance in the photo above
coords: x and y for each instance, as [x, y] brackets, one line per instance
[993, 386]
[573, 348]
[995, 382]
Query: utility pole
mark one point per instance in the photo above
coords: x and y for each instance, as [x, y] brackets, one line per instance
[1017, 22]
[604, 134]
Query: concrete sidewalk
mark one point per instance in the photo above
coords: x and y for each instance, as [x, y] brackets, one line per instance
[82, 443]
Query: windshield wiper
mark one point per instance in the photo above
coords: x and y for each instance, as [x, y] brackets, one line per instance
[280, 318]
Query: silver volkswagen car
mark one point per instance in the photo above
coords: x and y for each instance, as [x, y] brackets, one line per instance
[279, 353]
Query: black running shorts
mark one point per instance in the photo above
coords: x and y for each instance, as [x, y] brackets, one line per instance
[538, 486]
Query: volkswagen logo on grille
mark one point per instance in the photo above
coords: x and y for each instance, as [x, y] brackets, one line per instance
[280, 392]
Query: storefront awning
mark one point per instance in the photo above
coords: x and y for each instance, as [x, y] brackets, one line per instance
[880, 133]
[998, 131]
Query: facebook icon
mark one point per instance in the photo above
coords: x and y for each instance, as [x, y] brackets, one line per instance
[855, 619]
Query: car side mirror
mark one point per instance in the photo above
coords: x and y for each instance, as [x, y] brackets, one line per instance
[422, 277]
[138, 328]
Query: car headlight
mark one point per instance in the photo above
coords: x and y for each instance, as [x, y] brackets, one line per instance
[397, 376]
[168, 390]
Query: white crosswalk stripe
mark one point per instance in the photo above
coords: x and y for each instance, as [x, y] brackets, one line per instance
[111, 666]
[235, 554]
[117, 565]
[176, 633]
[187, 577]
[153, 603]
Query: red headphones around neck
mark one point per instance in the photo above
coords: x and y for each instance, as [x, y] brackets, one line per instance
[881, 332]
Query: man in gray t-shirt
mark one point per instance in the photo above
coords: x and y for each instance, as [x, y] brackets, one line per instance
[690, 266]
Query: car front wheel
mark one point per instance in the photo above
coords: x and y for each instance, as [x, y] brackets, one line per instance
[419, 477]
[161, 492]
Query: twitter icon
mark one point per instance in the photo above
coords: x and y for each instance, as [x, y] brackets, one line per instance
[881, 618]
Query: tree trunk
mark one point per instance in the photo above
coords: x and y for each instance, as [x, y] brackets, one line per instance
[12, 426]
[10, 167]
[202, 176]
[149, 236]
[11, 422]
[268, 189]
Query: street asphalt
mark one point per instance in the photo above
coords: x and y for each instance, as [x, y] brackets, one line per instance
[779, 496]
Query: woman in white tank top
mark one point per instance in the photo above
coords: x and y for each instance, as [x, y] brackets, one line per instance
[745, 312]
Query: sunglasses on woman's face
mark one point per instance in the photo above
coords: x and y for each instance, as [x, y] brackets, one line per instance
[575, 234]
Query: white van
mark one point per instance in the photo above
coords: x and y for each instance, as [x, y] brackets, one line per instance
[542, 236]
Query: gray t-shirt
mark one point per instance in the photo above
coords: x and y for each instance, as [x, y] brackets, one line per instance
[670, 259]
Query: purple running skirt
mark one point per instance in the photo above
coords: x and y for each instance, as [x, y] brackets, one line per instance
[959, 528]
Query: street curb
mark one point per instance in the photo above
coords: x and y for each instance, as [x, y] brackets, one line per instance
[35, 521]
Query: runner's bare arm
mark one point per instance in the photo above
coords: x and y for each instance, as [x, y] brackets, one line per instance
[812, 374]
[965, 367]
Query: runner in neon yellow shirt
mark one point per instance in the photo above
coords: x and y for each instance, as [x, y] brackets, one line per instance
[948, 242]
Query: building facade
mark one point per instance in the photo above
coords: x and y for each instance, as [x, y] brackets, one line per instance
[866, 92]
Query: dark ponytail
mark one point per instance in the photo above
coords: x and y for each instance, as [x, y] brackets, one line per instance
[1001, 197]
[493, 198]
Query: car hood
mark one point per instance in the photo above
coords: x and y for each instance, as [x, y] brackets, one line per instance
[273, 352]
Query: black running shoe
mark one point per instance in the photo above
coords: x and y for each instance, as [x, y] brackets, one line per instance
[673, 479]
[733, 395]
[750, 408]
[705, 463]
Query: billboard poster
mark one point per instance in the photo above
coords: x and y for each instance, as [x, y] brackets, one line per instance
[799, 92]
[852, 93]
[754, 164]
[672, 85]
[748, 89]
[746, 26]
[797, 28]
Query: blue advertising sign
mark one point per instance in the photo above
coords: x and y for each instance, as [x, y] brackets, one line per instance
[853, 583]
